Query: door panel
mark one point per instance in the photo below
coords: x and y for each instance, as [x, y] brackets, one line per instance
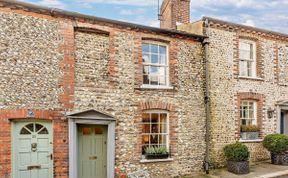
[32, 150]
[92, 151]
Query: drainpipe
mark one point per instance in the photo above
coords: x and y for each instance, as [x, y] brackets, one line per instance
[207, 100]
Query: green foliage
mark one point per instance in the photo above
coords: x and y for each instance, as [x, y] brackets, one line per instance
[250, 128]
[236, 152]
[156, 150]
[276, 143]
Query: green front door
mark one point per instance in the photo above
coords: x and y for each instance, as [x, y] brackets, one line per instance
[92, 151]
[32, 150]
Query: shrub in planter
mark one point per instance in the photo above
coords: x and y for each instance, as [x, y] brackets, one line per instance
[277, 144]
[155, 152]
[237, 156]
[250, 132]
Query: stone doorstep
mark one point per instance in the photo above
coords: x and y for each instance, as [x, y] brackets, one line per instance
[275, 174]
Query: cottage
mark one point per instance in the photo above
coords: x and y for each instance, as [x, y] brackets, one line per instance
[248, 80]
[81, 96]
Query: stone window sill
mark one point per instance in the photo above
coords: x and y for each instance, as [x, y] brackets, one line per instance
[155, 160]
[251, 141]
[156, 87]
[250, 78]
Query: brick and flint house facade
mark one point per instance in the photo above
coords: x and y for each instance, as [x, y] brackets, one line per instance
[81, 96]
[72, 85]
[248, 77]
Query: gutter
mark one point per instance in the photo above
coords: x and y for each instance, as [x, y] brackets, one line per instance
[75, 16]
[205, 42]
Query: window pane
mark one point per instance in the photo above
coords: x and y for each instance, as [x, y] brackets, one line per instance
[163, 59]
[154, 117]
[145, 47]
[154, 70]
[162, 50]
[154, 59]
[162, 80]
[153, 80]
[86, 131]
[98, 130]
[154, 49]
[30, 127]
[145, 79]
[146, 128]
[163, 128]
[251, 51]
[154, 139]
[145, 58]
[163, 139]
[145, 140]
[24, 131]
[243, 68]
[146, 118]
[43, 131]
[243, 121]
[145, 70]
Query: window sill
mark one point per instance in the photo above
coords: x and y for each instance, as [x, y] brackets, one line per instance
[250, 78]
[155, 160]
[251, 141]
[156, 87]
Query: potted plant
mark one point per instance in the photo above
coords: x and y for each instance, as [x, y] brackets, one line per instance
[237, 156]
[155, 152]
[277, 144]
[249, 132]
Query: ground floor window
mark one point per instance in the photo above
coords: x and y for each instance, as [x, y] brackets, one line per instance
[248, 120]
[154, 130]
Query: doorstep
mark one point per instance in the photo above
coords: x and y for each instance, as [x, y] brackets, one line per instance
[257, 170]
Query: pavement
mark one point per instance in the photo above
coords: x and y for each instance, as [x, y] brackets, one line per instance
[257, 170]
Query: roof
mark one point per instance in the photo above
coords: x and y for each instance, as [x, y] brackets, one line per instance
[75, 15]
[244, 26]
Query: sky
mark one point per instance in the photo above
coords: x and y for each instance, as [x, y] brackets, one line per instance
[267, 14]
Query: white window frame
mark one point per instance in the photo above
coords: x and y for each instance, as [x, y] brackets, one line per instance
[254, 111]
[254, 60]
[167, 124]
[167, 86]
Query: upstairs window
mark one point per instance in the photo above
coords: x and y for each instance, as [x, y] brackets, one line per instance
[155, 64]
[247, 55]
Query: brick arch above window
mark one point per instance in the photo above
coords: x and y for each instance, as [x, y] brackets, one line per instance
[148, 105]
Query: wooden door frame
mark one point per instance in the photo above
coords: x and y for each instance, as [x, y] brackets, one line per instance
[73, 149]
[280, 106]
[13, 136]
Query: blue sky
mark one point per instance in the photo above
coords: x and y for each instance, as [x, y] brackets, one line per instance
[268, 14]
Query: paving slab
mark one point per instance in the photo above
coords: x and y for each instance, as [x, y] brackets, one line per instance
[258, 170]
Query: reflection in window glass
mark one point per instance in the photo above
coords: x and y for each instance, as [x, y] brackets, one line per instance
[154, 130]
[155, 64]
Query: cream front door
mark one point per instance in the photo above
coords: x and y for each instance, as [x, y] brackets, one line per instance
[92, 151]
[32, 150]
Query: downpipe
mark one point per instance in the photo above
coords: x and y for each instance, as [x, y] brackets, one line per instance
[206, 164]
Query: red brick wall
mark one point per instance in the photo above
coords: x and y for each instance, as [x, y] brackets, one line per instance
[173, 11]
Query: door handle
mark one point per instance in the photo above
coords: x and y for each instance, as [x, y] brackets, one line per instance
[50, 156]
[92, 157]
[33, 167]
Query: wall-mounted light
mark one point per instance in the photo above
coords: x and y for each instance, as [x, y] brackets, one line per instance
[270, 112]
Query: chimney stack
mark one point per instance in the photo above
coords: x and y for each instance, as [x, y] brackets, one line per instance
[173, 12]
